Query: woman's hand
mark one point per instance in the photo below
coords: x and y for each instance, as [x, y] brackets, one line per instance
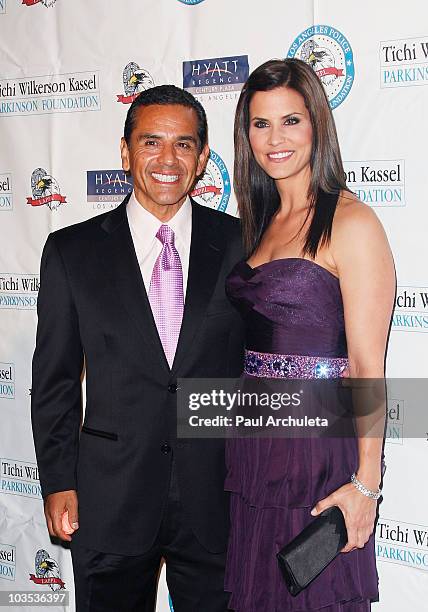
[358, 510]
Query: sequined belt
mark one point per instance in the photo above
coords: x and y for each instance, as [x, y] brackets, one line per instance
[271, 365]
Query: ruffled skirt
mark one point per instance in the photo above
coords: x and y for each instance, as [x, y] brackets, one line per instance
[274, 484]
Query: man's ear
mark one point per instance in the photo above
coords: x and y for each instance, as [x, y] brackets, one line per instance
[124, 153]
[202, 160]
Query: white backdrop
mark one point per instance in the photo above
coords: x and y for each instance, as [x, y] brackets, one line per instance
[63, 69]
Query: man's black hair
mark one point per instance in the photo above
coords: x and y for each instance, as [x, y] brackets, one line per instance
[167, 94]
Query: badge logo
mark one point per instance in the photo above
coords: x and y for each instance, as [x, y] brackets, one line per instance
[190, 1]
[47, 571]
[47, 3]
[329, 53]
[213, 188]
[45, 190]
[135, 80]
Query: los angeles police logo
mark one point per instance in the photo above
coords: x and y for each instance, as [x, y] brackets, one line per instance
[329, 53]
[47, 3]
[45, 190]
[213, 188]
[135, 80]
[47, 571]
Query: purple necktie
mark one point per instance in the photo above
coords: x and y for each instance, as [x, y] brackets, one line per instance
[166, 293]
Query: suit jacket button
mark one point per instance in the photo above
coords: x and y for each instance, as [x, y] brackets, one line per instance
[172, 388]
[165, 449]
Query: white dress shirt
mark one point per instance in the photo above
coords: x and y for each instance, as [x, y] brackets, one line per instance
[144, 227]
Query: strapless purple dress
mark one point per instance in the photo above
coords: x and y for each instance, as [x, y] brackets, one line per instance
[290, 307]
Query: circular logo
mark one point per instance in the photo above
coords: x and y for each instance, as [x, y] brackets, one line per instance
[190, 1]
[213, 188]
[329, 53]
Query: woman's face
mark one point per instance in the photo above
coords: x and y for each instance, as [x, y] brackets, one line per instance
[281, 133]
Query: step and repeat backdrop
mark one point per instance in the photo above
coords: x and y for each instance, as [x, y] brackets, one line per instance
[69, 69]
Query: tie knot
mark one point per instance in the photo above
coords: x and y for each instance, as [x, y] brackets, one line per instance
[165, 234]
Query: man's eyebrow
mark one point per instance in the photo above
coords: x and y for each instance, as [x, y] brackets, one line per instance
[147, 135]
[186, 137]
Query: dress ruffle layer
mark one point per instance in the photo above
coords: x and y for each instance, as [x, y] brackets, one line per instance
[288, 473]
[268, 512]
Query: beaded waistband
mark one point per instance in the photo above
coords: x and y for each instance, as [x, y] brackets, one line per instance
[270, 365]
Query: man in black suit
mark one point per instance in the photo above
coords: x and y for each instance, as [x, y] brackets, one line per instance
[122, 487]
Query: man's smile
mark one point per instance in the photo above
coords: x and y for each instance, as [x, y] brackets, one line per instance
[165, 178]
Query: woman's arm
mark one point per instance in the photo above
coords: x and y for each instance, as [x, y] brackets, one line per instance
[367, 280]
[365, 268]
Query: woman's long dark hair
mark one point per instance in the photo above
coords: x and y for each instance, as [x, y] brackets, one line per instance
[256, 192]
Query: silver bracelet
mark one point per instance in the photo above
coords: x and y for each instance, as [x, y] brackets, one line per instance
[364, 490]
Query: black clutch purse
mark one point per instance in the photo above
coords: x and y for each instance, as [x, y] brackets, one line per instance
[305, 557]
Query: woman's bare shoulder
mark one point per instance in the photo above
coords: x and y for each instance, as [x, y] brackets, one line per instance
[353, 217]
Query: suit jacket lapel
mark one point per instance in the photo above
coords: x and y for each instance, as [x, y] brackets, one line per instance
[120, 261]
[206, 255]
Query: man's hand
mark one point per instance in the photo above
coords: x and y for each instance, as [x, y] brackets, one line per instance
[61, 514]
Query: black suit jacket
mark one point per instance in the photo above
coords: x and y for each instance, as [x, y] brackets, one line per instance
[94, 314]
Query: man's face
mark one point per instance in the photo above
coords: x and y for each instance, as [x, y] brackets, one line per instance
[163, 156]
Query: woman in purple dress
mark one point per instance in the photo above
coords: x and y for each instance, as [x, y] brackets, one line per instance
[316, 294]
